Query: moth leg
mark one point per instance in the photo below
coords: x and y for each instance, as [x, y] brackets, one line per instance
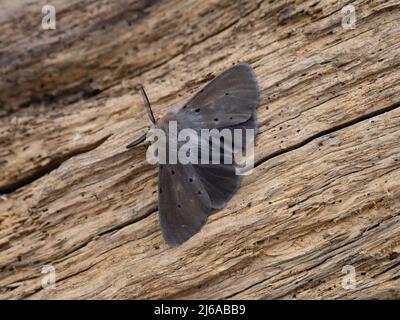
[137, 141]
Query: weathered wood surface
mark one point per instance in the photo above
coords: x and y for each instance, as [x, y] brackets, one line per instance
[325, 191]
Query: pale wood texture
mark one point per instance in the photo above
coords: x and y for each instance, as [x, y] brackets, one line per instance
[325, 191]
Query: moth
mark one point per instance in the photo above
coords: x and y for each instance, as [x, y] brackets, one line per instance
[188, 193]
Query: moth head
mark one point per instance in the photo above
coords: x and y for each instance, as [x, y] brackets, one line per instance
[169, 116]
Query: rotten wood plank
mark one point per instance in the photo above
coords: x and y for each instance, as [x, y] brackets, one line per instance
[324, 193]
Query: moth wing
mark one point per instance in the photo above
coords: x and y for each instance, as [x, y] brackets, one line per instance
[183, 203]
[220, 182]
[188, 193]
[227, 100]
[251, 123]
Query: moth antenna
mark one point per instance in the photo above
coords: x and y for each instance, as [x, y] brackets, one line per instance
[149, 113]
[147, 104]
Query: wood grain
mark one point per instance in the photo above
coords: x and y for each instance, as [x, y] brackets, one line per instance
[325, 190]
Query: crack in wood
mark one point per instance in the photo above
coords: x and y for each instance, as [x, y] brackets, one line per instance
[328, 131]
[52, 165]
